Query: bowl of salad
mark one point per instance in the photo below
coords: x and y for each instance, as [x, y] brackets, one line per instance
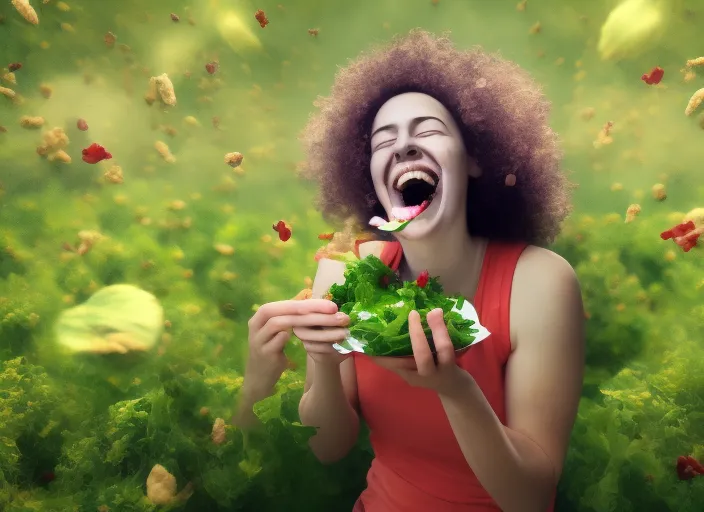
[378, 304]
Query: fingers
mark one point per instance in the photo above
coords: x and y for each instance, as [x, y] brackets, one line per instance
[277, 343]
[313, 347]
[277, 324]
[288, 308]
[326, 350]
[441, 338]
[326, 335]
[421, 348]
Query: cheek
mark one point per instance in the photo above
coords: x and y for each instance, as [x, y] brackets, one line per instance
[382, 195]
[454, 155]
[376, 167]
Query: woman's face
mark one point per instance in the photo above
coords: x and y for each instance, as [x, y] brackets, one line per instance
[418, 155]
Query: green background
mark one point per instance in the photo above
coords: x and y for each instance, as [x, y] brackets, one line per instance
[83, 432]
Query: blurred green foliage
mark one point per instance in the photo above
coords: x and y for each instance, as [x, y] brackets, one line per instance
[82, 432]
[98, 424]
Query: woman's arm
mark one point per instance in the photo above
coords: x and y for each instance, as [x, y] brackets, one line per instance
[520, 464]
[330, 398]
[329, 403]
[244, 415]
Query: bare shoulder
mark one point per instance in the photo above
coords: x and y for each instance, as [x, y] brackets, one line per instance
[333, 272]
[538, 266]
[329, 272]
[372, 247]
[545, 291]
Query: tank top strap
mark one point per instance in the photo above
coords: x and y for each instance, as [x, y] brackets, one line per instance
[493, 297]
[392, 254]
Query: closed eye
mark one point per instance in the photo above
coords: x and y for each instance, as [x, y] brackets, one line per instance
[384, 144]
[428, 133]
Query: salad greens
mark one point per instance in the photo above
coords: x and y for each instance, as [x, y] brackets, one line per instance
[378, 304]
[395, 225]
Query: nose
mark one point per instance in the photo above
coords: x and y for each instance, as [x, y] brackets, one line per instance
[408, 152]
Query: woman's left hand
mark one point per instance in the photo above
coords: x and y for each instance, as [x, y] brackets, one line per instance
[442, 374]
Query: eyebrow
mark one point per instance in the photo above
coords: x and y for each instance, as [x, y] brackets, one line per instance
[416, 121]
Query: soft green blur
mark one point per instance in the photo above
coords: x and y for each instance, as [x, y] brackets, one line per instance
[82, 431]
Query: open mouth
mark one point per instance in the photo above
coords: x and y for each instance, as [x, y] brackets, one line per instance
[416, 187]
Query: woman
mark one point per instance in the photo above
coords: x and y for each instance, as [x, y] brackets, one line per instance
[487, 430]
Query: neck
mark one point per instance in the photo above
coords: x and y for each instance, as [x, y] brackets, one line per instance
[454, 257]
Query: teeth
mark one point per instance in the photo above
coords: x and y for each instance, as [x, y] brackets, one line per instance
[417, 175]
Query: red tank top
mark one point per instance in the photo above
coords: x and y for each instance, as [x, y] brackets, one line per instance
[419, 466]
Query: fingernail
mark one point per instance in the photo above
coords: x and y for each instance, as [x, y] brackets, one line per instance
[341, 317]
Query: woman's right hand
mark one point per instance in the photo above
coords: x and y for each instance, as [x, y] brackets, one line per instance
[318, 340]
[270, 329]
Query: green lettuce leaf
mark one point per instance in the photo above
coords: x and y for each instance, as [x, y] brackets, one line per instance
[394, 225]
[378, 304]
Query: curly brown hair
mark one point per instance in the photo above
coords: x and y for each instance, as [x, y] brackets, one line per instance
[499, 108]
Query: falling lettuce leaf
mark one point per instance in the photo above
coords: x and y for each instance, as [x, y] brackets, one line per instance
[632, 27]
[116, 319]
